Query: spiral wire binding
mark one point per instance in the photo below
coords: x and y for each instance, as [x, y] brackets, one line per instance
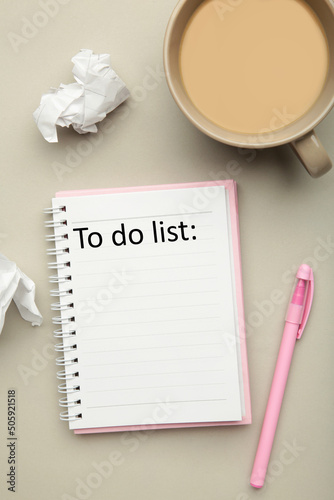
[66, 320]
[58, 306]
[63, 389]
[65, 348]
[61, 361]
[60, 334]
[57, 251]
[59, 265]
[59, 279]
[53, 224]
[58, 320]
[54, 210]
[52, 238]
[62, 293]
[68, 404]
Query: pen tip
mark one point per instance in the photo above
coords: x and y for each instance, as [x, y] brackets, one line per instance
[256, 485]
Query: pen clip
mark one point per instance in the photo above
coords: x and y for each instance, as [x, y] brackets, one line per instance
[306, 273]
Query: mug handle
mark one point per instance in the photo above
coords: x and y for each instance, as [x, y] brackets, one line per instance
[312, 154]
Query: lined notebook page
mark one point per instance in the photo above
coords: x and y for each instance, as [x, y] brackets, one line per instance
[154, 307]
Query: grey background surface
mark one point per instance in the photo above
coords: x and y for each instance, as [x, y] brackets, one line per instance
[285, 218]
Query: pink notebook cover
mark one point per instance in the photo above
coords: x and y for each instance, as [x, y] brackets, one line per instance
[231, 186]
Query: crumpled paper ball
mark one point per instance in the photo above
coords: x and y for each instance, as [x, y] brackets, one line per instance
[97, 91]
[15, 285]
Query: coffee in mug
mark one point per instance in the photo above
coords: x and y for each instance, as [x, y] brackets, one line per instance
[253, 66]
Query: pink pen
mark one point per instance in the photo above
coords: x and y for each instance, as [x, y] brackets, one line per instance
[295, 322]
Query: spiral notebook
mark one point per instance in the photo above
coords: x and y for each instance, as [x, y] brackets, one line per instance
[150, 312]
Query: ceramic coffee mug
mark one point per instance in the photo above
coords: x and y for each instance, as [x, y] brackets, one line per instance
[299, 133]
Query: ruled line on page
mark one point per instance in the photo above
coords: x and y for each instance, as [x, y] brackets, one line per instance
[158, 269]
[150, 321]
[155, 360]
[158, 387]
[93, 250]
[175, 346]
[153, 295]
[141, 217]
[191, 332]
[154, 403]
[155, 374]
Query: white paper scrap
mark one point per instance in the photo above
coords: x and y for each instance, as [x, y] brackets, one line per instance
[97, 91]
[14, 284]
